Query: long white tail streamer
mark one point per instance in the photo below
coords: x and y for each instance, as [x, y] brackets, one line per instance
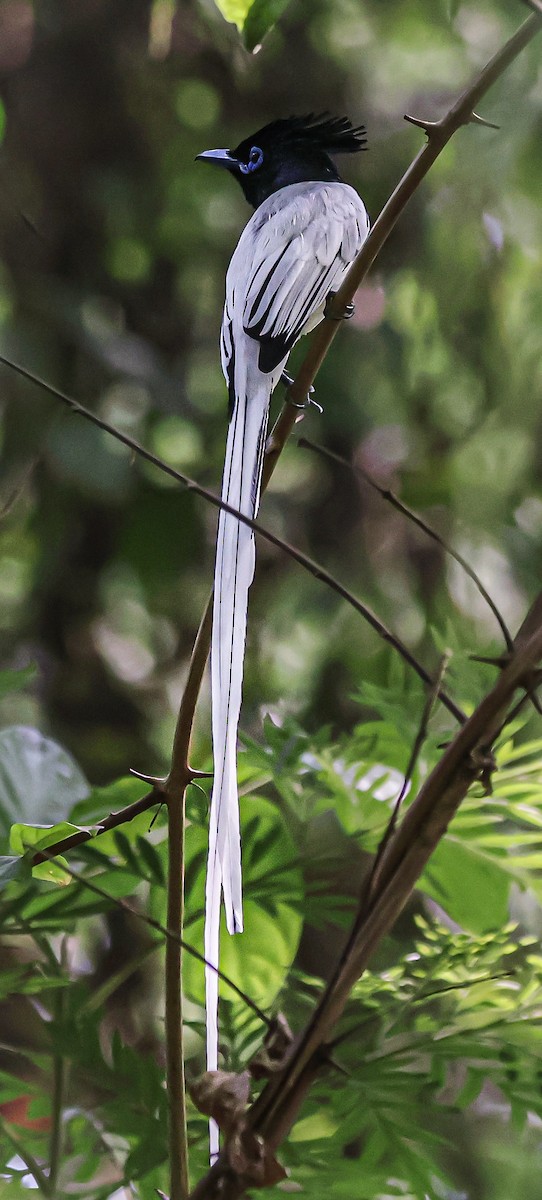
[234, 572]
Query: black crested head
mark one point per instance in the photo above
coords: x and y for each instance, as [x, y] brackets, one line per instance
[290, 150]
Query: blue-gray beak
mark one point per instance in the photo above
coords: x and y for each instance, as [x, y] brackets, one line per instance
[221, 158]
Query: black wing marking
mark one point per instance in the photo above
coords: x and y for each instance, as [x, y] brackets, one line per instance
[294, 258]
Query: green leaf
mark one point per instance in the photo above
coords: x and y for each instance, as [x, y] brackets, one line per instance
[253, 17]
[126, 850]
[319, 1125]
[151, 859]
[28, 981]
[53, 872]
[235, 11]
[483, 904]
[262, 15]
[12, 867]
[38, 779]
[40, 837]
[102, 800]
[272, 886]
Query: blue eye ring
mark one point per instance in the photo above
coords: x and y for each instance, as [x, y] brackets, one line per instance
[255, 160]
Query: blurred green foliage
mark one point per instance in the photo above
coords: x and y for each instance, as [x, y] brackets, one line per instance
[114, 244]
[439, 1045]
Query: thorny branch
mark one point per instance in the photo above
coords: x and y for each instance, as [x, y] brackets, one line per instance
[419, 740]
[466, 759]
[402, 862]
[201, 646]
[412, 842]
[170, 935]
[390, 497]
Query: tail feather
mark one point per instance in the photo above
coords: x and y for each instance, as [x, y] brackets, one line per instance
[234, 571]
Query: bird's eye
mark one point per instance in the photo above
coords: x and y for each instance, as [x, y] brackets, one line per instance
[255, 160]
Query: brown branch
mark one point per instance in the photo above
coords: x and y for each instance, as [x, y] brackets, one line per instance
[276, 442]
[439, 134]
[404, 858]
[275, 1111]
[174, 1022]
[408, 850]
[180, 776]
[391, 498]
[111, 822]
[411, 765]
[170, 934]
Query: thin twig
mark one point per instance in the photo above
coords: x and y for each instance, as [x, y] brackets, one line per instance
[439, 134]
[60, 1079]
[391, 498]
[26, 1156]
[426, 821]
[309, 564]
[174, 1023]
[175, 790]
[111, 822]
[170, 934]
[411, 765]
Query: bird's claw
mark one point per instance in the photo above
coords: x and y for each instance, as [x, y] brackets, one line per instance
[346, 315]
[287, 380]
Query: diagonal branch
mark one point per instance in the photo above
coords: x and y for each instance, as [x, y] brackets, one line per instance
[411, 765]
[402, 862]
[169, 934]
[465, 760]
[391, 498]
[182, 737]
[411, 844]
[439, 134]
[111, 822]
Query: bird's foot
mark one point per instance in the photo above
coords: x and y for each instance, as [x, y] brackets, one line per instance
[346, 315]
[287, 380]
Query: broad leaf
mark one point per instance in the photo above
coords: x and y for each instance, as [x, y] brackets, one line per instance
[253, 17]
[260, 18]
[256, 961]
[39, 780]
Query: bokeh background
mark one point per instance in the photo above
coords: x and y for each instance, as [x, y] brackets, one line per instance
[114, 245]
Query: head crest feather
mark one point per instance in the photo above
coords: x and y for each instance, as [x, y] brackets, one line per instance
[331, 135]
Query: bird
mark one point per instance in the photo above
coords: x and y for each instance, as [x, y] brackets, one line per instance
[306, 230]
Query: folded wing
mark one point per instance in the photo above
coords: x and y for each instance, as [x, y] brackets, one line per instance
[295, 251]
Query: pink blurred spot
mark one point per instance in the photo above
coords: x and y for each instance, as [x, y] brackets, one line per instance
[370, 303]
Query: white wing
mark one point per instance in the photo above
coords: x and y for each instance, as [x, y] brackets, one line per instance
[294, 251]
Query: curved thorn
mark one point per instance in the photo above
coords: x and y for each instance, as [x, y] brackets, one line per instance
[154, 781]
[474, 119]
[429, 127]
